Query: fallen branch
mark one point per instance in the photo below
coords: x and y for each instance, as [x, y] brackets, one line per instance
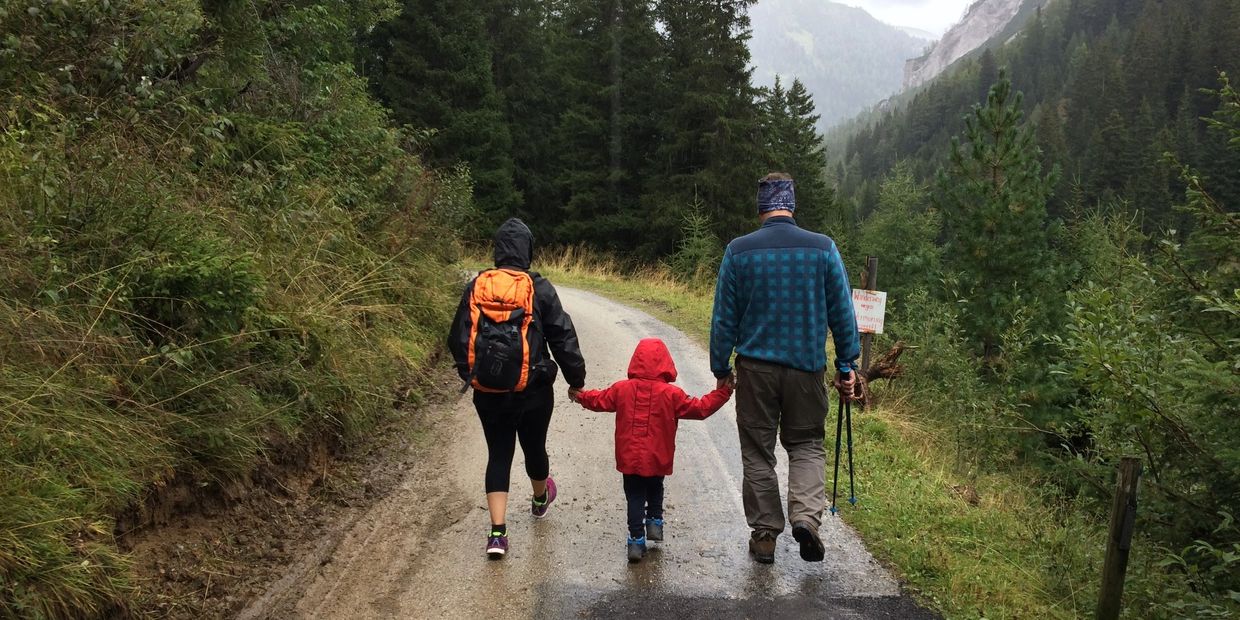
[886, 367]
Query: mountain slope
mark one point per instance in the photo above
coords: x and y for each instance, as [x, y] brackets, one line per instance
[848, 59]
[984, 20]
[1111, 85]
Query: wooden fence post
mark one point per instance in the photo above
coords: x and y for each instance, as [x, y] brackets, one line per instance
[1119, 540]
[869, 282]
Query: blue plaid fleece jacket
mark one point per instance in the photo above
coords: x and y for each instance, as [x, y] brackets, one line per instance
[779, 289]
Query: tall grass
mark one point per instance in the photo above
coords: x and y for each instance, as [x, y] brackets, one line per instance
[193, 269]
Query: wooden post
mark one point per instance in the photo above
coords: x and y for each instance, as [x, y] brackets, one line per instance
[869, 282]
[1119, 541]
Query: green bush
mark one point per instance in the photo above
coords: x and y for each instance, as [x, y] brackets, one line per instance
[1138, 359]
[1154, 345]
[210, 239]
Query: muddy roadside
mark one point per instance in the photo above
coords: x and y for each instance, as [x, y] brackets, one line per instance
[214, 552]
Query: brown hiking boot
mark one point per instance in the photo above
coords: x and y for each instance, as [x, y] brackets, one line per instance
[762, 547]
[812, 549]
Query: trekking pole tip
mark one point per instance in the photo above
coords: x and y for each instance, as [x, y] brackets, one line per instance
[852, 500]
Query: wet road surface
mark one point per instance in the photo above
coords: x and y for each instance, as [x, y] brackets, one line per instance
[419, 552]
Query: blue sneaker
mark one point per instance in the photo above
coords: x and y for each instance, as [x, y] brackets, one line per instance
[637, 549]
[654, 530]
[540, 510]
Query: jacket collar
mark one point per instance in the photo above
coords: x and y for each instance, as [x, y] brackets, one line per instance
[778, 221]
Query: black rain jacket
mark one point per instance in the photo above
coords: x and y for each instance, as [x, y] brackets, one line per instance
[552, 327]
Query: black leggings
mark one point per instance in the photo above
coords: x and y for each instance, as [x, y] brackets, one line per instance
[508, 417]
[645, 495]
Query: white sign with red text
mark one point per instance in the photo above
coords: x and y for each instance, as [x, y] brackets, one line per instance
[870, 307]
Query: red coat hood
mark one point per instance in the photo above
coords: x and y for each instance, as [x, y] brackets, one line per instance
[652, 361]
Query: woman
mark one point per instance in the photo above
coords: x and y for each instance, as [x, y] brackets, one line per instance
[520, 410]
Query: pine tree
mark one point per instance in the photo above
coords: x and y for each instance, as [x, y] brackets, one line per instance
[1148, 182]
[523, 36]
[1110, 157]
[710, 120]
[993, 198]
[1054, 143]
[610, 57]
[792, 144]
[987, 74]
[581, 132]
[903, 233]
[432, 67]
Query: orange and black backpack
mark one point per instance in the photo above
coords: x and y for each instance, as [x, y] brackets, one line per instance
[501, 312]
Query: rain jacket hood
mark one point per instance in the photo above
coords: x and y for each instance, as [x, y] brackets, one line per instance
[652, 361]
[514, 245]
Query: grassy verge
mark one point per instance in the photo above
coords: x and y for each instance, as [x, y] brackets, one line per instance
[974, 546]
[969, 544]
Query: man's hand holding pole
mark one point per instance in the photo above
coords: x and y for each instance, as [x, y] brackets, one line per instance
[846, 385]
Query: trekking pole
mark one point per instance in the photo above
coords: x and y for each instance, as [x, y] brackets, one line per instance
[852, 493]
[835, 482]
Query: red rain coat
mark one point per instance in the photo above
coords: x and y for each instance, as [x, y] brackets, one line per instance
[648, 408]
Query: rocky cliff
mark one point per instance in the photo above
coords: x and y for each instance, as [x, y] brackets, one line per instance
[984, 20]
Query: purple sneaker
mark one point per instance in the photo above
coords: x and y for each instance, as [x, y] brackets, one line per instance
[539, 510]
[497, 546]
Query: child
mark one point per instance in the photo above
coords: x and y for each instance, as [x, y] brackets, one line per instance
[648, 408]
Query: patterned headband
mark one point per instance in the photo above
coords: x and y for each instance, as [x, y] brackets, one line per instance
[776, 195]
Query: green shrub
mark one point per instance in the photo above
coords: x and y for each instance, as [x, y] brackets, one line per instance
[1154, 345]
[698, 253]
[210, 239]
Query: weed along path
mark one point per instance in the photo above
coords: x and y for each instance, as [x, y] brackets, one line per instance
[418, 553]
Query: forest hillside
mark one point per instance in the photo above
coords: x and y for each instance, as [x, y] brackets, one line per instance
[212, 242]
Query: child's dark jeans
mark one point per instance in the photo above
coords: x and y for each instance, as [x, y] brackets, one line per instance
[645, 495]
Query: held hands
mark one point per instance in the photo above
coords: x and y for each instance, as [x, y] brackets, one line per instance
[728, 381]
[573, 394]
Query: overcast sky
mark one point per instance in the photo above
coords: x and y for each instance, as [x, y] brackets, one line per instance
[933, 15]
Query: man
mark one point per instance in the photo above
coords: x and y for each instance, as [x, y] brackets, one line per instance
[778, 291]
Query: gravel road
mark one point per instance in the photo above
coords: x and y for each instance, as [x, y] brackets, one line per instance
[419, 552]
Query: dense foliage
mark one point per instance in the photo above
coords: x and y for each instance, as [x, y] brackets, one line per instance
[210, 240]
[614, 120]
[1052, 344]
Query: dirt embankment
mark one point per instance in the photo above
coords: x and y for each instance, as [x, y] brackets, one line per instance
[207, 551]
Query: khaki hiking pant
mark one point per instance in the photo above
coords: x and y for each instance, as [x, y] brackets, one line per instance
[777, 400]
